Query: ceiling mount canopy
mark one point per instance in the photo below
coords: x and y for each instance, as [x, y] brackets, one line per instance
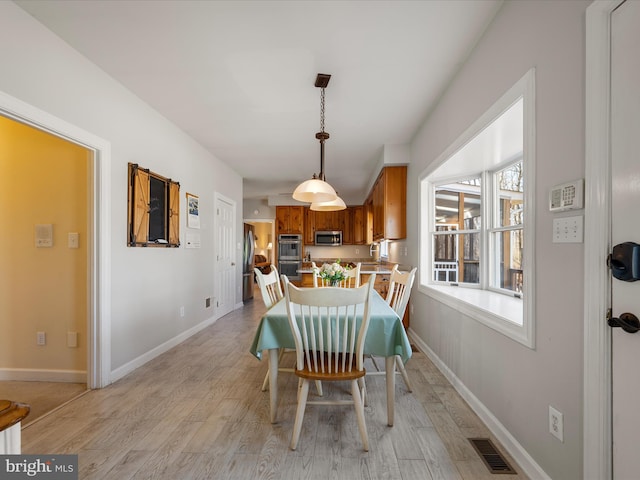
[317, 191]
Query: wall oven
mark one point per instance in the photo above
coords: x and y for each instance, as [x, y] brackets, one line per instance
[290, 255]
[290, 269]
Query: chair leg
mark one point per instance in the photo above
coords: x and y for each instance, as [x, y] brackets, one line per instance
[357, 402]
[375, 364]
[319, 388]
[265, 384]
[363, 388]
[302, 403]
[403, 372]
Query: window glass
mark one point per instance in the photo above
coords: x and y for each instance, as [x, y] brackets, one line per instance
[509, 269]
[510, 183]
[456, 234]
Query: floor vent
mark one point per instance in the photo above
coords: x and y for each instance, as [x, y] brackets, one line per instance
[492, 458]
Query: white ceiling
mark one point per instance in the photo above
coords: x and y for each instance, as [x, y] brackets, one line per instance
[238, 76]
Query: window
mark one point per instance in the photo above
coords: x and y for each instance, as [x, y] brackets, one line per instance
[384, 249]
[476, 210]
[153, 209]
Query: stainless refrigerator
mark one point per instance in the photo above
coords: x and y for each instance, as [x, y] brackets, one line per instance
[248, 251]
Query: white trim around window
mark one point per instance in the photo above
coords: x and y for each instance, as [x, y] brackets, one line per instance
[513, 317]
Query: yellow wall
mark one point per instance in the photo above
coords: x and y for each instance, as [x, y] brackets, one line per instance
[43, 180]
[262, 230]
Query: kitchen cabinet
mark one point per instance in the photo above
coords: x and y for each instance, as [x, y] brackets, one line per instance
[329, 220]
[351, 221]
[357, 225]
[347, 231]
[309, 226]
[389, 204]
[317, 221]
[368, 220]
[381, 284]
[289, 219]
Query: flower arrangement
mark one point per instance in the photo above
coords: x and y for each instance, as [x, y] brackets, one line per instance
[332, 272]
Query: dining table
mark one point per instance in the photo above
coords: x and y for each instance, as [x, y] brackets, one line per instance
[386, 337]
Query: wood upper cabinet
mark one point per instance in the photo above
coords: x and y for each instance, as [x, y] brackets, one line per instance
[357, 225]
[315, 221]
[328, 221]
[347, 231]
[368, 220]
[389, 204]
[309, 226]
[289, 219]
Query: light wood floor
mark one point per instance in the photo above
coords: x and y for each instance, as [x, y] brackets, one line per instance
[197, 412]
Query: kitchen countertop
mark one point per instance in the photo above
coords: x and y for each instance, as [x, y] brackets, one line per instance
[366, 268]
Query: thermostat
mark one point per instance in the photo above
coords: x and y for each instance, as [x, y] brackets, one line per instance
[567, 196]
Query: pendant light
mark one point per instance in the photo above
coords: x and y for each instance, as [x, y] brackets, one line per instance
[337, 204]
[317, 189]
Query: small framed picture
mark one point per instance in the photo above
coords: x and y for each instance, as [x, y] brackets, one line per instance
[193, 211]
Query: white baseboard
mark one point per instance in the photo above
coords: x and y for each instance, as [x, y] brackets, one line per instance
[43, 375]
[519, 454]
[129, 367]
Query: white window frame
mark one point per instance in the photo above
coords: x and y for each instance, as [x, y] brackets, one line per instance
[494, 227]
[505, 313]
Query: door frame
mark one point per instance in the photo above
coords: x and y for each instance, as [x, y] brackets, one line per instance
[99, 275]
[597, 409]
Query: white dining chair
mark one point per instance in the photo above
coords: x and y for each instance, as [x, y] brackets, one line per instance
[269, 286]
[329, 340]
[351, 280]
[271, 291]
[400, 284]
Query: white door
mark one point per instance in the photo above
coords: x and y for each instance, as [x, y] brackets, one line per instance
[625, 202]
[225, 255]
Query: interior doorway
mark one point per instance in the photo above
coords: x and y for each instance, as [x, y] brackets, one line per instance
[97, 274]
[264, 238]
[43, 187]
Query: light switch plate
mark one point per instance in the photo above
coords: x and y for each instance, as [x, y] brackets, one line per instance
[74, 240]
[568, 229]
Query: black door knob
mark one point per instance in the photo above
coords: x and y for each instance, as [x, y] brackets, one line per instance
[627, 321]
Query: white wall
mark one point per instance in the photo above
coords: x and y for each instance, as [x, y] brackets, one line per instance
[149, 285]
[517, 384]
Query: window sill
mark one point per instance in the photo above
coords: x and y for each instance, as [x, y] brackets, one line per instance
[495, 310]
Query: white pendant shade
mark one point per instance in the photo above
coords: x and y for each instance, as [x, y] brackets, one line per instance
[337, 204]
[314, 190]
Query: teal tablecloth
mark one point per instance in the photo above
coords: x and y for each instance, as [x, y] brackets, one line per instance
[386, 335]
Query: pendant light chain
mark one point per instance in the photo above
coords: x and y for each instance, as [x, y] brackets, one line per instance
[322, 110]
[316, 190]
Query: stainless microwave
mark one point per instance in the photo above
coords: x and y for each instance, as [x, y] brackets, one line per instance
[329, 238]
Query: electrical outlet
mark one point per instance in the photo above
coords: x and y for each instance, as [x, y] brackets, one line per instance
[357, 251]
[207, 302]
[41, 338]
[182, 311]
[556, 423]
